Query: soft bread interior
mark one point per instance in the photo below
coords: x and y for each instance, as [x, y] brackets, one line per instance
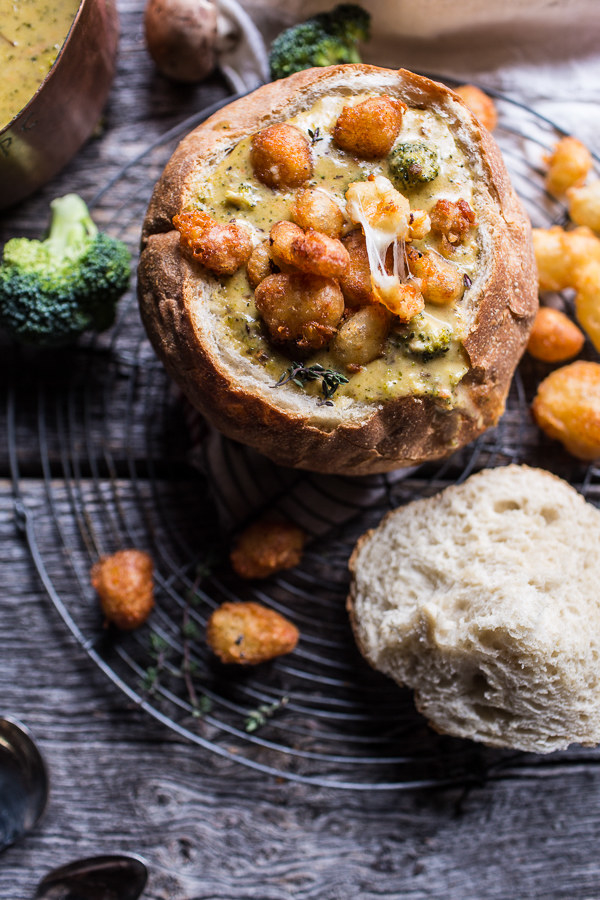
[484, 599]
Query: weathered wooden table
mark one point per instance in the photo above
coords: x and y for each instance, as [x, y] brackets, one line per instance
[122, 781]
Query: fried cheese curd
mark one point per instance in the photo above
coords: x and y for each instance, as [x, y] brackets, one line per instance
[361, 337]
[370, 128]
[571, 259]
[584, 205]
[356, 282]
[587, 300]
[554, 337]
[314, 209]
[221, 249]
[311, 252]
[260, 264]
[568, 165]
[554, 265]
[125, 586]
[452, 221]
[480, 105]
[385, 216]
[329, 262]
[440, 282]
[267, 546]
[248, 633]
[298, 309]
[281, 157]
[567, 408]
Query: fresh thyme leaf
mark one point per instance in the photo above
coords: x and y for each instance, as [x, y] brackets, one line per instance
[331, 382]
[150, 678]
[161, 653]
[158, 644]
[190, 630]
[314, 135]
[299, 375]
[204, 568]
[202, 706]
[259, 717]
[467, 280]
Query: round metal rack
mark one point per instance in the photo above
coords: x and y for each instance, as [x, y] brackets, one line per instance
[120, 459]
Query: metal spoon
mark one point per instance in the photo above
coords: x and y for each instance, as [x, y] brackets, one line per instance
[23, 782]
[96, 878]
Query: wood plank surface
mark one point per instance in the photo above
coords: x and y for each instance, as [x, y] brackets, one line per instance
[82, 435]
[212, 829]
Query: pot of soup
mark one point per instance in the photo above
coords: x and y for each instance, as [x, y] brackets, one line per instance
[57, 59]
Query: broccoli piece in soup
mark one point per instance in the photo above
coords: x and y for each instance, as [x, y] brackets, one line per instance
[427, 337]
[413, 164]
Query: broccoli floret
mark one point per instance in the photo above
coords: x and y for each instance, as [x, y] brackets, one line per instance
[53, 290]
[413, 164]
[327, 39]
[426, 337]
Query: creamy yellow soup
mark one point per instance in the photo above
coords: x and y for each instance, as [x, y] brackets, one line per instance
[233, 193]
[31, 34]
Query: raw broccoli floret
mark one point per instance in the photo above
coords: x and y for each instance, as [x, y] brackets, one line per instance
[427, 338]
[413, 164]
[53, 290]
[327, 39]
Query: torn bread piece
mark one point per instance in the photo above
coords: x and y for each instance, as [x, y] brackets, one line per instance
[484, 600]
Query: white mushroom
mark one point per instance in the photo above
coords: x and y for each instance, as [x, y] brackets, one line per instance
[181, 36]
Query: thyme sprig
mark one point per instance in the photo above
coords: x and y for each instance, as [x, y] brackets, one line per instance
[299, 375]
[259, 717]
[314, 135]
[162, 654]
[159, 651]
[190, 632]
[165, 667]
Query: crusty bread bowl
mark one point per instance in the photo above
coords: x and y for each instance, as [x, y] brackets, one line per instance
[396, 410]
[484, 600]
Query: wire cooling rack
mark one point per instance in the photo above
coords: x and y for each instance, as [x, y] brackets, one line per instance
[110, 435]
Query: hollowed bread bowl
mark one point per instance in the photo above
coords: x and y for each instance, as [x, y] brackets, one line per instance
[402, 408]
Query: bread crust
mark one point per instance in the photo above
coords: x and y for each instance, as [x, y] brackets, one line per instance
[400, 432]
[543, 641]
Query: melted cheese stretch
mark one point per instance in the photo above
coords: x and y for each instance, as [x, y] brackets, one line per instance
[234, 193]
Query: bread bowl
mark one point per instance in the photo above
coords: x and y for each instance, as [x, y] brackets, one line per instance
[484, 600]
[400, 408]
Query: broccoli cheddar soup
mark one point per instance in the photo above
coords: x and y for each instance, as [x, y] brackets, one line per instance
[31, 35]
[345, 248]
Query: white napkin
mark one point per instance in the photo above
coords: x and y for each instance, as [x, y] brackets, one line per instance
[244, 484]
[243, 62]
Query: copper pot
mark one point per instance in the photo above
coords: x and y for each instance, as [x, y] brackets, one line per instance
[65, 109]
